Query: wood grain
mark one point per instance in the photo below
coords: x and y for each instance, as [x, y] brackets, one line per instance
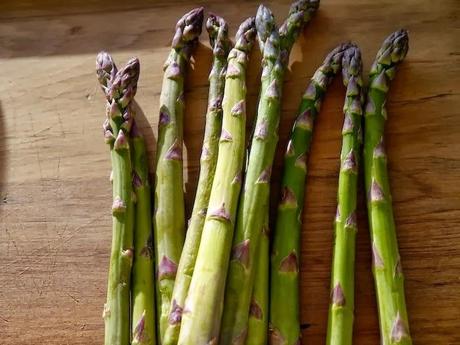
[54, 166]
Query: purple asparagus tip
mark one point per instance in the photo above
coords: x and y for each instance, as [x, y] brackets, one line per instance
[188, 28]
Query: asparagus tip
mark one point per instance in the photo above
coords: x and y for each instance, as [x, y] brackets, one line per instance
[217, 29]
[188, 28]
[105, 69]
[394, 48]
[306, 7]
[299, 14]
[245, 35]
[265, 24]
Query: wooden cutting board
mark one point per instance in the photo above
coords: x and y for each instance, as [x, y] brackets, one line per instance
[55, 194]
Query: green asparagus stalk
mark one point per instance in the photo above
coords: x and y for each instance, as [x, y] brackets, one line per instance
[119, 88]
[258, 309]
[203, 307]
[388, 276]
[169, 222]
[284, 269]
[143, 286]
[340, 325]
[255, 198]
[220, 44]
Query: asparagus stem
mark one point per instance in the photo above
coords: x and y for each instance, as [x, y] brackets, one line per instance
[169, 222]
[258, 309]
[340, 325]
[203, 306]
[284, 268]
[119, 88]
[255, 197]
[143, 286]
[388, 276]
[220, 44]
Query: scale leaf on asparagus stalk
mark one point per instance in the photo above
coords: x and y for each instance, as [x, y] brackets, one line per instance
[254, 200]
[168, 219]
[388, 275]
[220, 44]
[204, 303]
[143, 283]
[284, 268]
[119, 88]
[340, 325]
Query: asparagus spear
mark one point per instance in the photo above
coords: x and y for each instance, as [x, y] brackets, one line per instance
[258, 309]
[221, 44]
[388, 276]
[169, 222]
[119, 88]
[284, 268]
[255, 198]
[143, 285]
[203, 306]
[340, 325]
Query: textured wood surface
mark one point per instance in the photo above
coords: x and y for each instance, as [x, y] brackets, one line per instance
[55, 195]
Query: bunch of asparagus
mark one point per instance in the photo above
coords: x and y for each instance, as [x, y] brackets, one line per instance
[131, 265]
[216, 283]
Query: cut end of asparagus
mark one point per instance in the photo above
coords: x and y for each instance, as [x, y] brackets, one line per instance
[245, 35]
[217, 29]
[188, 28]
